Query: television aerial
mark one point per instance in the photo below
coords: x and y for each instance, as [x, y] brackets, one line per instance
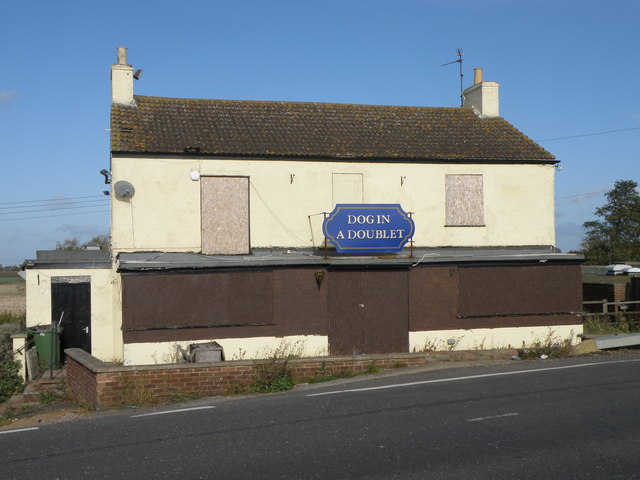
[458, 61]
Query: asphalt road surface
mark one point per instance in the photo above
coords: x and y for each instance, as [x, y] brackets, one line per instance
[573, 418]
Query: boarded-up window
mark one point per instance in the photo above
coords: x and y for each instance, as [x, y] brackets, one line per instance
[464, 204]
[225, 215]
[347, 188]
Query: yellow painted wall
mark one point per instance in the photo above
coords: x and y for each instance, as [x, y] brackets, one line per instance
[318, 345]
[106, 338]
[491, 338]
[233, 348]
[287, 196]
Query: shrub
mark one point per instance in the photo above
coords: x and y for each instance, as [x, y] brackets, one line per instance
[10, 380]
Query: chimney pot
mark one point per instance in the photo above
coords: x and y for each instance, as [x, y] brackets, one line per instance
[122, 55]
[477, 76]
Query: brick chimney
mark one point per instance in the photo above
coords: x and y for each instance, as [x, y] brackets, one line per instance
[122, 80]
[482, 96]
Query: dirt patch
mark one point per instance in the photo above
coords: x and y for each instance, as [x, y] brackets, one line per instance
[44, 415]
[13, 297]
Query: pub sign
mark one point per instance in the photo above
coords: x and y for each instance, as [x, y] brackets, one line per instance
[368, 227]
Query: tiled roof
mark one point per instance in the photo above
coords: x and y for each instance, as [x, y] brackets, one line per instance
[158, 125]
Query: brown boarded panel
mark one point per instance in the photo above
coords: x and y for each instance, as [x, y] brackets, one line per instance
[433, 298]
[502, 296]
[166, 307]
[225, 215]
[346, 323]
[300, 306]
[369, 312]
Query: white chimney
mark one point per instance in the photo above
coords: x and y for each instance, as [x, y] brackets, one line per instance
[122, 80]
[482, 96]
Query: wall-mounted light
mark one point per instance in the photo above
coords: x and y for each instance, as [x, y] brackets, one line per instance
[291, 177]
[195, 175]
[319, 278]
[402, 179]
[105, 173]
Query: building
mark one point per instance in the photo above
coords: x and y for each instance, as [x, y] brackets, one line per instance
[217, 213]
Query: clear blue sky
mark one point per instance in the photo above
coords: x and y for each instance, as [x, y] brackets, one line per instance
[565, 68]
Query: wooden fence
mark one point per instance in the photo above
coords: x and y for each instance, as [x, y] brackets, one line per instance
[614, 312]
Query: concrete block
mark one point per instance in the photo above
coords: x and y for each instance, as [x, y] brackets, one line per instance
[618, 341]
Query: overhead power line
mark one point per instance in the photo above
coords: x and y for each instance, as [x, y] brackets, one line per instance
[589, 134]
[49, 200]
[49, 216]
[52, 206]
[586, 194]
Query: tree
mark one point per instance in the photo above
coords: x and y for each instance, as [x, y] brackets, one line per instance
[616, 236]
[74, 243]
[69, 244]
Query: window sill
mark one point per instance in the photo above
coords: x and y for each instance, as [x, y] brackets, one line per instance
[449, 226]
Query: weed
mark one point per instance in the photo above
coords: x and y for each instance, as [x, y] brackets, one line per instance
[399, 365]
[136, 393]
[48, 397]
[430, 345]
[372, 368]
[284, 350]
[551, 347]
[273, 375]
[478, 346]
[326, 375]
[600, 324]
[238, 389]
[240, 355]
[179, 397]
[83, 406]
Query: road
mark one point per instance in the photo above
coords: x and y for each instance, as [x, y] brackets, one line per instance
[554, 419]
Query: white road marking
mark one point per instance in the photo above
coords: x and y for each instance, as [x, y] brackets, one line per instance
[19, 430]
[479, 419]
[165, 412]
[468, 377]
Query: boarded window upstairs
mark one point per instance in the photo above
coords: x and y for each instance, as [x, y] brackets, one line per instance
[225, 215]
[347, 188]
[464, 203]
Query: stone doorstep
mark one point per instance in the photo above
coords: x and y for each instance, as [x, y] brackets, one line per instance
[31, 393]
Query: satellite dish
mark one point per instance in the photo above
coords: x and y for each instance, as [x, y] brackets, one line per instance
[124, 189]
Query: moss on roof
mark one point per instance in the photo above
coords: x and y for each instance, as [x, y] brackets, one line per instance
[157, 125]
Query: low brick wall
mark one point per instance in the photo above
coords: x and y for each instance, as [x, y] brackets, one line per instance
[104, 386]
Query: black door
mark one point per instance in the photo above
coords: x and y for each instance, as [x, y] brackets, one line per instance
[72, 303]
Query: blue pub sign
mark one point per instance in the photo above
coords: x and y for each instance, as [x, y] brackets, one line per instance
[374, 227]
